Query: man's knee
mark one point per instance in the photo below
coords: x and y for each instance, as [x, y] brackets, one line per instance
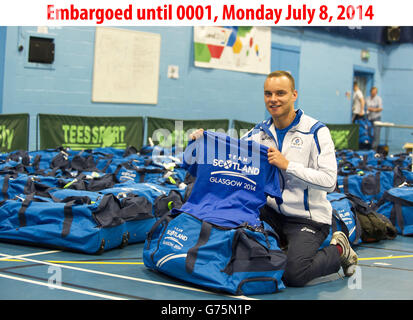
[292, 280]
[294, 276]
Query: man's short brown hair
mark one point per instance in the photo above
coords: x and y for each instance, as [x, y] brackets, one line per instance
[281, 73]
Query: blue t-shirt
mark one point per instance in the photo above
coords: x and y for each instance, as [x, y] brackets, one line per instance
[233, 179]
[282, 132]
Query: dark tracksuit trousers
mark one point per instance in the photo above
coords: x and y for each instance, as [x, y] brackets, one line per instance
[303, 239]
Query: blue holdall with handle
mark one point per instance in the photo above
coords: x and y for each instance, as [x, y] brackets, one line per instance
[238, 260]
[75, 220]
[216, 239]
[397, 205]
[135, 210]
[365, 132]
[371, 185]
[73, 224]
[344, 219]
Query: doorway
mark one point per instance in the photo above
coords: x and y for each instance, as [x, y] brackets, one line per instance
[286, 58]
[364, 78]
[3, 31]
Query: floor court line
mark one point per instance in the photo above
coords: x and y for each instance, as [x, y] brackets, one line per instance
[54, 286]
[97, 262]
[73, 285]
[385, 249]
[388, 257]
[390, 267]
[82, 262]
[16, 259]
[141, 263]
[49, 285]
[8, 257]
[122, 277]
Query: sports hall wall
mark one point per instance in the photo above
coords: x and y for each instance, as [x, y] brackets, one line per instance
[398, 79]
[3, 31]
[326, 66]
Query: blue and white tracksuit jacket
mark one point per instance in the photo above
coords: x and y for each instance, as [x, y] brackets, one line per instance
[312, 169]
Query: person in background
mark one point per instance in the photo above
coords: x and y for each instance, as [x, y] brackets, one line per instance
[374, 108]
[358, 103]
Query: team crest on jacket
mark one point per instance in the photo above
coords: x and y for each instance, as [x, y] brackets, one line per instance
[265, 137]
[297, 142]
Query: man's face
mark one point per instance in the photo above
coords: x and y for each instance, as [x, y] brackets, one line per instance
[279, 97]
[373, 92]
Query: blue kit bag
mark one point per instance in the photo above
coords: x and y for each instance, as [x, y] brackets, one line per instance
[76, 225]
[344, 219]
[137, 213]
[12, 184]
[235, 260]
[371, 185]
[366, 132]
[397, 205]
[78, 220]
[216, 239]
[135, 210]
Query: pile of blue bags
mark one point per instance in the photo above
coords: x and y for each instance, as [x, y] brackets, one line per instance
[87, 201]
[66, 199]
[377, 185]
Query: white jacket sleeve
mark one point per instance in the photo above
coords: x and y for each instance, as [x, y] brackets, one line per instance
[322, 171]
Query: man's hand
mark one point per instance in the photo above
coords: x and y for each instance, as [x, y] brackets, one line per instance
[277, 159]
[196, 134]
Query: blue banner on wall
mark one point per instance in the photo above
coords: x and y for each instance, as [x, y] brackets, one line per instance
[379, 35]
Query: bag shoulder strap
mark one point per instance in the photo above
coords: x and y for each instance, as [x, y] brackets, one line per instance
[192, 253]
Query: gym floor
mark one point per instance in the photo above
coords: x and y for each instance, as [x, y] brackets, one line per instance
[33, 273]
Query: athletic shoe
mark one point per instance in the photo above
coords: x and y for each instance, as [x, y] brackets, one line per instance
[348, 258]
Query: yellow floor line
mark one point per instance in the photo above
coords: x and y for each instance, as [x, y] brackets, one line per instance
[80, 262]
[60, 287]
[119, 276]
[141, 263]
[388, 257]
[12, 260]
